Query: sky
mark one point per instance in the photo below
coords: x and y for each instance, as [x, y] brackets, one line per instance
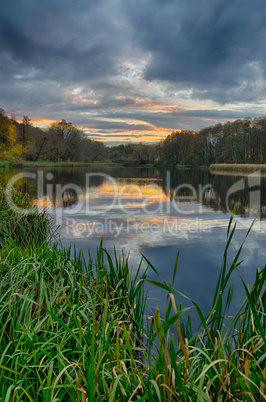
[133, 70]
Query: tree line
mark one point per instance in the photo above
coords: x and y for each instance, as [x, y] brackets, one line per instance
[241, 141]
[62, 141]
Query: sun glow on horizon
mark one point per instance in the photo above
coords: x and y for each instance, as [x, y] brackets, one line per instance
[42, 122]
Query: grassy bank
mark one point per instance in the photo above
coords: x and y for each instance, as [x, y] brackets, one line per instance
[245, 168]
[4, 164]
[19, 230]
[73, 329]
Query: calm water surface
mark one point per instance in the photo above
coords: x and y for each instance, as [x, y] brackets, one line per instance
[158, 213]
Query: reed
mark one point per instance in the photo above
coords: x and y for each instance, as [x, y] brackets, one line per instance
[68, 328]
[225, 359]
[74, 329]
[237, 167]
[21, 230]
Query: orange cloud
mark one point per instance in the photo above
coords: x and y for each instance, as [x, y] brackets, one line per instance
[42, 122]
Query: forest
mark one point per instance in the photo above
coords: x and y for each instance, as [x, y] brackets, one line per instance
[240, 141]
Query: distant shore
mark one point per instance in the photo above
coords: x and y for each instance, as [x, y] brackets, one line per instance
[218, 168]
[23, 164]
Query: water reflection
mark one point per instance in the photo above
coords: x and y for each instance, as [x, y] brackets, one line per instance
[152, 185]
[158, 214]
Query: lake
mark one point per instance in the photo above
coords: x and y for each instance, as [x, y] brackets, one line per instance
[157, 213]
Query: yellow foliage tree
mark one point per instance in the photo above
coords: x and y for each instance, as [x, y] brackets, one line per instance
[8, 134]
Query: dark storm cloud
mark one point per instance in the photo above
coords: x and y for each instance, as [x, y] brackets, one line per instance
[127, 58]
[113, 125]
[59, 40]
[172, 120]
[214, 46]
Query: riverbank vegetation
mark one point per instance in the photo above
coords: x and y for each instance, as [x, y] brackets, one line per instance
[239, 142]
[241, 168]
[74, 329]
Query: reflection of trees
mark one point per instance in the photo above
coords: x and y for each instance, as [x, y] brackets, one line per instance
[57, 176]
[69, 198]
[64, 176]
[189, 177]
[239, 199]
[214, 196]
[128, 172]
[24, 185]
[263, 198]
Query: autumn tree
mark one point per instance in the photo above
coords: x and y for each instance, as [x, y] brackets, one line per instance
[25, 125]
[8, 135]
[93, 151]
[67, 140]
[42, 147]
[7, 130]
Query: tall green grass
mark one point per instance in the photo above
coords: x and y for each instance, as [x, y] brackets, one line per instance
[226, 359]
[68, 327]
[21, 230]
[74, 329]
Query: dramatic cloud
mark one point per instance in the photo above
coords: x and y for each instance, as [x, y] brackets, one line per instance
[215, 47]
[133, 69]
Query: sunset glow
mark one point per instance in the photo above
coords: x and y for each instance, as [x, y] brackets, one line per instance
[136, 79]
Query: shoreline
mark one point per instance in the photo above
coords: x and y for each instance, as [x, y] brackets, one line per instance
[218, 168]
[25, 164]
